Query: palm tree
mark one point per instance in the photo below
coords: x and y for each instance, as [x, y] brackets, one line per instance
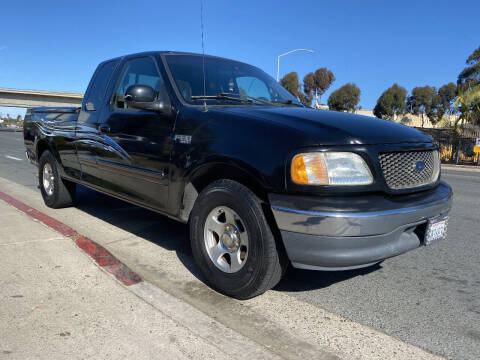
[468, 102]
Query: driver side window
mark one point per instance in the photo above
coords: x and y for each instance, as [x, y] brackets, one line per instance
[139, 71]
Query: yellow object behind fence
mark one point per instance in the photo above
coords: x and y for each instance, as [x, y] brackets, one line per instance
[447, 156]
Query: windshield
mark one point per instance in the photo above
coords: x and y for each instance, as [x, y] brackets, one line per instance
[224, 79]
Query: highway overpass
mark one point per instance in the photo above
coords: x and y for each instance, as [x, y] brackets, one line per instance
[29, 98]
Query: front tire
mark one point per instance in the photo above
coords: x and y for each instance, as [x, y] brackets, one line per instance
[56, 192]
[232, 242]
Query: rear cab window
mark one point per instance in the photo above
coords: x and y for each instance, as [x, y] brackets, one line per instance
[96, 92]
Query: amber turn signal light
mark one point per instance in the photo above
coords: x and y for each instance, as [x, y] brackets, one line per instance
[299, 171]
[317, 173]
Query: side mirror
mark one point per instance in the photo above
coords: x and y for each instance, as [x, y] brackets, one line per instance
[143, 97]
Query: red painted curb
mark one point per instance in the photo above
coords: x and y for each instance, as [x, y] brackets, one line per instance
[102, 256]
[106, 260]
[47, 220]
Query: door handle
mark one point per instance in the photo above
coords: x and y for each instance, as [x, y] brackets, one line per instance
[104, 128]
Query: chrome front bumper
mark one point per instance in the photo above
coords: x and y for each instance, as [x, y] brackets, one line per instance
[350, 232]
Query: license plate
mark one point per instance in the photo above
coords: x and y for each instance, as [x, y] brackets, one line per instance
[436, 230]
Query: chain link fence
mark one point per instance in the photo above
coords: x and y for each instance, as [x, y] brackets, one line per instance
[456, 148]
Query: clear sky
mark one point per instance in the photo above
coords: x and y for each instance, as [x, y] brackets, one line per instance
[56, 45]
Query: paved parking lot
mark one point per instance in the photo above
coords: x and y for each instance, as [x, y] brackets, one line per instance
[429, 297]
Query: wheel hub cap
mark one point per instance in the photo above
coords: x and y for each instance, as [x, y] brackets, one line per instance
[48, 179]
[230, 238]
[226, 239]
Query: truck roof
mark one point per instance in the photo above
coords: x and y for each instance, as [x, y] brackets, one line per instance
[165, 52]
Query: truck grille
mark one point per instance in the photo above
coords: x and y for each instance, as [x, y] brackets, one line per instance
[405, 170]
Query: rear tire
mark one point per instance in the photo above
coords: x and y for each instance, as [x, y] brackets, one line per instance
[56, 192]
[260, 265]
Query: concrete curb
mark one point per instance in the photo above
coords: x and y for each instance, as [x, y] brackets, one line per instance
[461, 167]
[98, 253]
[57, 303]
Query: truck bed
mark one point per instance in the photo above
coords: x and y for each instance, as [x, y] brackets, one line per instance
[43, 123]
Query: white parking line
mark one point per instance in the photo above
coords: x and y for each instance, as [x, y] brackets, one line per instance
[12, 158]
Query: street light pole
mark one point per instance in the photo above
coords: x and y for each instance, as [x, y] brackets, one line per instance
[288, 52]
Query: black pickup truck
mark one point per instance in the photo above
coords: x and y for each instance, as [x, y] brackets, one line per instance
[262, 180]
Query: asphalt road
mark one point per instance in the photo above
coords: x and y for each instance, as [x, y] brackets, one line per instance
[429, 297]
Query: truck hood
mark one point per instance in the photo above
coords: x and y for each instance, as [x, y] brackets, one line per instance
[320, 127]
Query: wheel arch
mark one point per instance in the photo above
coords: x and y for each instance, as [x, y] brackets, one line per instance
[205, 174]
[44, 144]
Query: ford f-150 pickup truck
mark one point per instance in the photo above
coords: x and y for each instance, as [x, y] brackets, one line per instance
[262, 180]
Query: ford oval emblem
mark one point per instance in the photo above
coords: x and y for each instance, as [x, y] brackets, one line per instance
[419, 165]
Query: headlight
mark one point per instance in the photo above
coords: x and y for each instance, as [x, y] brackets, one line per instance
[330, 168]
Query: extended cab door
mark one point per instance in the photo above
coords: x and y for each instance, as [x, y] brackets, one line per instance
[136, 162]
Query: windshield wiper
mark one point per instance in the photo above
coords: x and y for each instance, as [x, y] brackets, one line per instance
[252, 98]
[221, 96]
[288, 102]
[231, 96]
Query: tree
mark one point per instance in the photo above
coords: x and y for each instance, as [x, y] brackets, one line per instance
[470, 76]
[317, 83]
[467, 83]
[468, 103]
[290, 82]
[309, 87]
[446, 100]
[344, 99]
[306, 99]
[391, 103]
[423, 101]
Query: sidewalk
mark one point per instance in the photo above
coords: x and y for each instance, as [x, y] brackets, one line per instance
[56, 303]
[461, 167]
